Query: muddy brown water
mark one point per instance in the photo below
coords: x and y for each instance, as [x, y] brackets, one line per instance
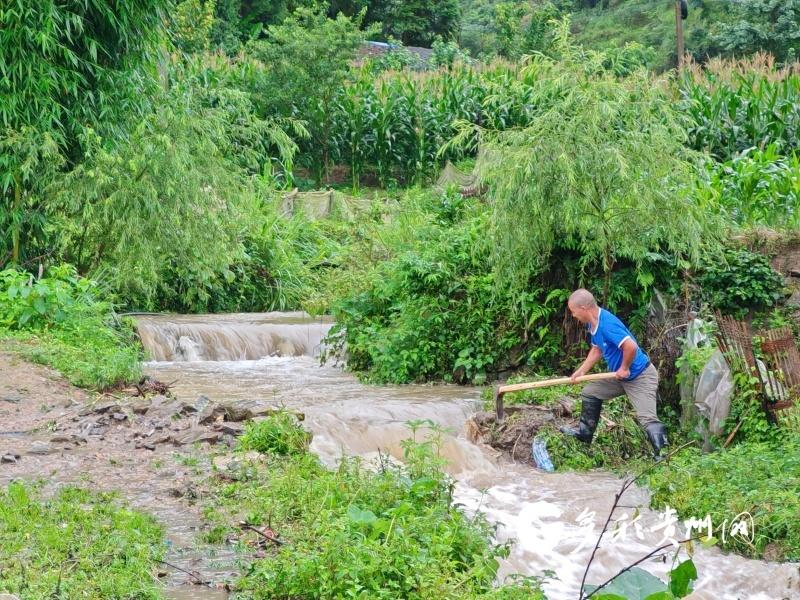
[272, 357]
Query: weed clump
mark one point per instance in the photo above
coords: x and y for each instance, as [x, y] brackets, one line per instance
[279, 434]
[761, 478]
[62, 321]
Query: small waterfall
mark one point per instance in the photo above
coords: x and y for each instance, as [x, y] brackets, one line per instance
[231, 337]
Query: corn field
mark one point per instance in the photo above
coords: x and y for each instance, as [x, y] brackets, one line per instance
[733, 106]
[395, 127]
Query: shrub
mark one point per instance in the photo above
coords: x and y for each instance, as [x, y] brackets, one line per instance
[278, 433]
[739, 281]
[432, 309]
[356, 532]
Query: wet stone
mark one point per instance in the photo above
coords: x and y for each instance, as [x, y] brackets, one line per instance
[197, 435]
[108, 407]
[39, 447]
[245, 410]
[202, 402]
[161, 439]
[140, 406]
[233, 429]
[210, 413]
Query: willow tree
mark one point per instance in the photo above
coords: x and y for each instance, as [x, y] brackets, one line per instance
[601, 167]
[64, 64]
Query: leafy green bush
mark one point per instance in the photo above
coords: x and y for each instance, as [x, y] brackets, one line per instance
[739, 281]
[60, 320]
[390, 532]
[760, 478]
[30, 303]
[76, 545]
[276, 434]
[432, 310]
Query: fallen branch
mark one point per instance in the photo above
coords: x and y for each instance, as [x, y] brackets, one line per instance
[193, 574]
[274, 540]
[732, 433]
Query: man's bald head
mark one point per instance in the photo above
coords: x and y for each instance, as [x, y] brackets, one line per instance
[582, 298]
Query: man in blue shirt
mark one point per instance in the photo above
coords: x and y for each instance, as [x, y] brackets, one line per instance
[635, 375]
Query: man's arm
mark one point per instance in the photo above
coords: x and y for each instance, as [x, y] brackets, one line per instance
[591, 360]
[629, 348]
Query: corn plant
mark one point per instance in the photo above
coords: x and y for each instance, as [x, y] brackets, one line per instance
[759, 187]
[730, 107]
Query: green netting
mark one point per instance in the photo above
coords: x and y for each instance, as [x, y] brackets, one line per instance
[322, 204]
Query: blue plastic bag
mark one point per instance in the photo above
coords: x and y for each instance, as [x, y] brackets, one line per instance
[540, 455]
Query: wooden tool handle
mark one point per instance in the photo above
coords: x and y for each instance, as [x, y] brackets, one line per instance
[518, 387]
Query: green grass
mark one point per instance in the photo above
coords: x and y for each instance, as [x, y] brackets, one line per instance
[358, 532]
[760, 478]
[279, 434]
[62, 320]
[90, 353]
[75, 545]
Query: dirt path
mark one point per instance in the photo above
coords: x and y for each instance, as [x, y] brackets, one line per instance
[153, 452]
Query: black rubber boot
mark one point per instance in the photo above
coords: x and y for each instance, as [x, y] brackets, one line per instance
[657, 434]
[590, 415]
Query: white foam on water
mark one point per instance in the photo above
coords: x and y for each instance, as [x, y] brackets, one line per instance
[537, 511]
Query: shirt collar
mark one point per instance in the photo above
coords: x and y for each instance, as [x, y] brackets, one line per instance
[599, 313]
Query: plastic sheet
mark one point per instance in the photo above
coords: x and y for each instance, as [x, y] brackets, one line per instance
[712, 392]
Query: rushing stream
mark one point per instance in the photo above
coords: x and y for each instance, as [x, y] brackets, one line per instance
[273, 357]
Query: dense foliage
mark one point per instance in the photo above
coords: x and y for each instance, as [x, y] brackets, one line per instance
[66, 66]
[597, 166]
[429, 310]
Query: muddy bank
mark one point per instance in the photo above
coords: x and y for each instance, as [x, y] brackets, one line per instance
[515, 434]
[155, 451]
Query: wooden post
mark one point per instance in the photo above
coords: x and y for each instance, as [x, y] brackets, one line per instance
[679, 33]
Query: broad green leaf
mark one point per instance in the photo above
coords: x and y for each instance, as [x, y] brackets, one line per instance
[636, 584]
[681, 578]
[359, 516]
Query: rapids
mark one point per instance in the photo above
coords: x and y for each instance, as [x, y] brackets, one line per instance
[273, 357]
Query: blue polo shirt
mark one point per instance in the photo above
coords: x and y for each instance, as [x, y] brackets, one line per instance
[609, 336]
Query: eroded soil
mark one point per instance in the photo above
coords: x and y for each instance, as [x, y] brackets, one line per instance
[156, 452]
